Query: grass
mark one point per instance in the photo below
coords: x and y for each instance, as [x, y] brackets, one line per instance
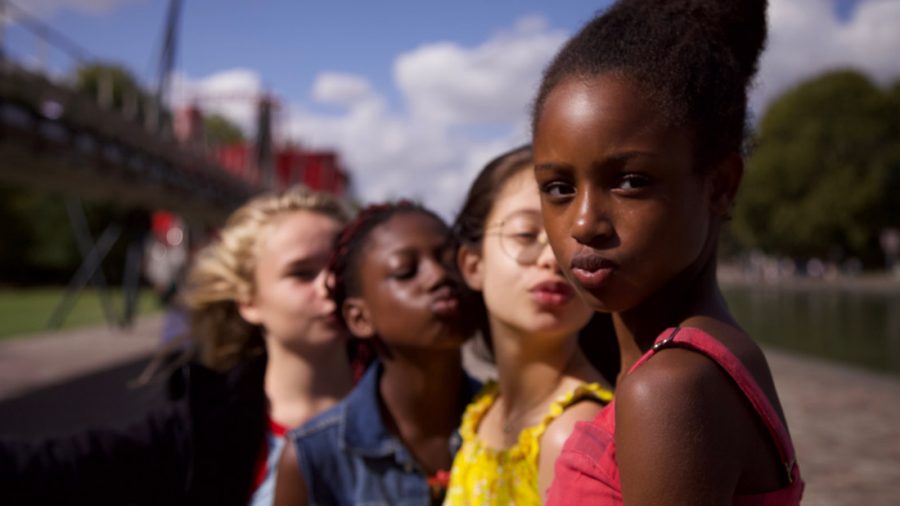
[28, 311]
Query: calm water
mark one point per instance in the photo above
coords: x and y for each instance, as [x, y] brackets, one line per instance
[859, 327]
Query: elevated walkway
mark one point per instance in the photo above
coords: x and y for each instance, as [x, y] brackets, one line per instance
[54, 138]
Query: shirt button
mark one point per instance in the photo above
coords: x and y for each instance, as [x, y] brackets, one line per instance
[408, 467]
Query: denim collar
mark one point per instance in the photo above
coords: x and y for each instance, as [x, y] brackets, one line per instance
[362, 428]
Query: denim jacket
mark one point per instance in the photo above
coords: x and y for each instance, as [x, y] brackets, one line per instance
[349, 457]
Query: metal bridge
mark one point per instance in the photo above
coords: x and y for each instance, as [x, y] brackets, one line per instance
[55, 138]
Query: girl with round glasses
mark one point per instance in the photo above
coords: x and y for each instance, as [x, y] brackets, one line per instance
[515, 428]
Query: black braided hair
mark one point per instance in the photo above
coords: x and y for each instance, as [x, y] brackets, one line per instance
[693, 59]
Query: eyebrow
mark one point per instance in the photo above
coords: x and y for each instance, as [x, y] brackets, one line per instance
[401, 251]
[524, 211]
[305, 262]
[551, 167]
[614, 158]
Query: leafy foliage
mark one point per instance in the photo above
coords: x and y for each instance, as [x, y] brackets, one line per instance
[124, 92]
[40, 246]
[823, 180]
[220, 130]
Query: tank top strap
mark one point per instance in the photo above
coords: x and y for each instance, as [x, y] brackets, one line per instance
[476, 410]
[664, 338]
[583, 391]
[697, 340]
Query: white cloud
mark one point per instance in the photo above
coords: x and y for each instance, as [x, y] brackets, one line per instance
[232, 93]
[420, 151]
[494, 82]
[426, 151]
[341, 89]
[806, 38]
[432, 147]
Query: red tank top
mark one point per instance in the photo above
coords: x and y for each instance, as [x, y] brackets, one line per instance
[586, 471]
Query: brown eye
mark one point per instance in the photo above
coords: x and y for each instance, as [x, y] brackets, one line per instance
[633, 182]
[557, 190]
[524, 238]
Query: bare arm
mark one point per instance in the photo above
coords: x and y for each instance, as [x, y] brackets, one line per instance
[555, 437]
[290, 487]
[678, 434]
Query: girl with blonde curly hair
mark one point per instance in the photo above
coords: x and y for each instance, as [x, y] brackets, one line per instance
[257, 295]
[266, 354]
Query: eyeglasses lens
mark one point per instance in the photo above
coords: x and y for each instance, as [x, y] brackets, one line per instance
[523, 239]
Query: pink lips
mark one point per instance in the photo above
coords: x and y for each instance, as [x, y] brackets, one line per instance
[331, 320]
[445, 302]
[591, 270]
[551, 293]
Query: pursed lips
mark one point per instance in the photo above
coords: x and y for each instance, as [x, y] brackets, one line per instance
[445, 301]
[591, 270]
[551, 292]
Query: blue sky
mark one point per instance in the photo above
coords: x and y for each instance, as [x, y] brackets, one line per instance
[417, 95]
[289, 42]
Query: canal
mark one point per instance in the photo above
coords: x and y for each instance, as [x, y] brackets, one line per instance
[845, 322]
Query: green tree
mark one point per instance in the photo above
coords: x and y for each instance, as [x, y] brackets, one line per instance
[220, 130]
[41, 247]
[823, 179]
[114, 83]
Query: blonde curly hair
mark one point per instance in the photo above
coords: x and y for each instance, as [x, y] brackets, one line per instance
[223, 274]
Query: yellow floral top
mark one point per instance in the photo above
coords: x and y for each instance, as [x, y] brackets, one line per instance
[484, 475]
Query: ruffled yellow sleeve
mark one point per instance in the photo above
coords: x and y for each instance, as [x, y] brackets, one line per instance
[485, 476]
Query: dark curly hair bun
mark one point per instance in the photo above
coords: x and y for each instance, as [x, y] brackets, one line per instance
[694, 59]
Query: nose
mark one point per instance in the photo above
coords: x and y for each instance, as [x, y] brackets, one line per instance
[591, 225]
[546, 259]
[437, 274]
[323, 282]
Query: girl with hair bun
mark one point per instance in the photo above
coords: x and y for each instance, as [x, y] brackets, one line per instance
[638, 130]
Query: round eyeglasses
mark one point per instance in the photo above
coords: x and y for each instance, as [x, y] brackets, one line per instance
[522, 236]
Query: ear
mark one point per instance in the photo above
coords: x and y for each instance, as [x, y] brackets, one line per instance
[471, 266]
[249, 311]
[725, 180]
[358, 317]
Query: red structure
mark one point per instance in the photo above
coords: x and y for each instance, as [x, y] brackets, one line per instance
[319, 170]
[289, 164]
[238, 159]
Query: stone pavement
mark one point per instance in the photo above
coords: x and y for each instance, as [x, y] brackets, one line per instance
[31, 362]
[845, 421]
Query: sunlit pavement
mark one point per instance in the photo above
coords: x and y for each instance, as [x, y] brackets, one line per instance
[845, 421]
[846, 427]
[35, 361]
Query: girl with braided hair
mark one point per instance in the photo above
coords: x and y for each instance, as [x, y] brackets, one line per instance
[391, 441]
[638, 129]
